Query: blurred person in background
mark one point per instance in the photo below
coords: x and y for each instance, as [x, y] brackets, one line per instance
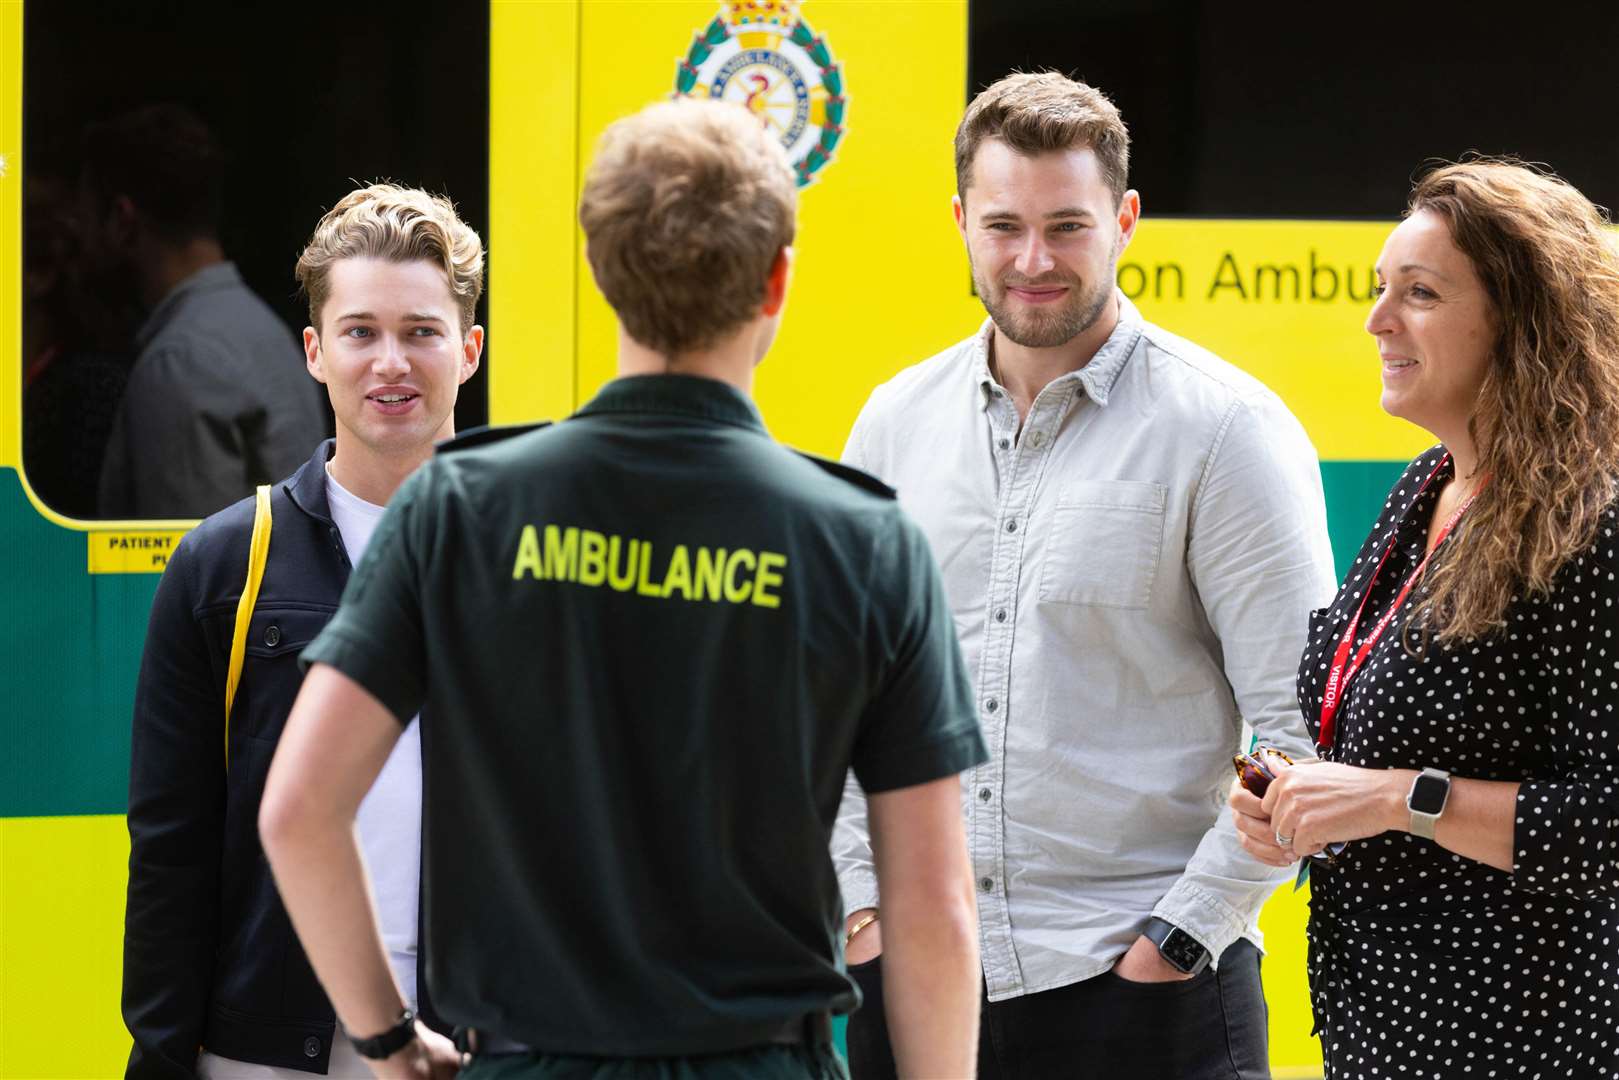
[217, 402]
[76, 332]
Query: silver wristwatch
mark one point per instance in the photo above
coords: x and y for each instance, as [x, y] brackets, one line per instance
[1426, 801]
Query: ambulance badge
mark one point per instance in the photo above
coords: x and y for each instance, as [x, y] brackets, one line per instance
[762, 55]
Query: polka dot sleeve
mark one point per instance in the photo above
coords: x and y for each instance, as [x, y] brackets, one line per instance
[1566, 835]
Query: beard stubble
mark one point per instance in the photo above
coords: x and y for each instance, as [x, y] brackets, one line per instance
[1034, 329]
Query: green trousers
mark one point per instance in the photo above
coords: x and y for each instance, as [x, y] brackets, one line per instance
[760, 1063]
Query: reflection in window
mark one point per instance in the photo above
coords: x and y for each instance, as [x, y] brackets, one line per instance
[75, 354]
[174, 169]
[217, 400]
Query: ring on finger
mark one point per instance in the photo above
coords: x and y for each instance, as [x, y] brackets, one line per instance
[1283, 841]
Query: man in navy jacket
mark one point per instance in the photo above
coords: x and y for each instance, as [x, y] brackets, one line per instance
[215, 981]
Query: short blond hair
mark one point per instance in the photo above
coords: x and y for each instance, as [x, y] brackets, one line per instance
[685, 209]
[1041, 112]
[398, 224]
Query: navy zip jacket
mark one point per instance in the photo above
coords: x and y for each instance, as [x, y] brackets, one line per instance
[210, 957]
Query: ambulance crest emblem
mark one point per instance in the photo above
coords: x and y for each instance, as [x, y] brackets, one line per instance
[762, 55]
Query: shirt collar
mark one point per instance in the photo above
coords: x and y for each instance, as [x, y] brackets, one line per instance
[678, 395]
[219, 275]
[307, 487]
[1097, 377]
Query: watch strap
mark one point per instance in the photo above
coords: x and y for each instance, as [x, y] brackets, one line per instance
[390, 1042]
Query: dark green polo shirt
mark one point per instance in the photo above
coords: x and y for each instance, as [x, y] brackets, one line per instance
[652, 642]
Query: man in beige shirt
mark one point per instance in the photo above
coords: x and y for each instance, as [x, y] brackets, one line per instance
[1132, 534]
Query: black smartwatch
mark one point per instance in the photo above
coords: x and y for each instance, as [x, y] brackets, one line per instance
[390, 1042]
[1182, 951]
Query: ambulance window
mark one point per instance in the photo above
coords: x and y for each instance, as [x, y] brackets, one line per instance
[154, 128]
[1235, 111]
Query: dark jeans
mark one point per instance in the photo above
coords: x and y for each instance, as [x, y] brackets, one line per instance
[1212, 1027]
[762, 1063]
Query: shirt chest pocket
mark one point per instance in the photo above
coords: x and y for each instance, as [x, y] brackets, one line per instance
[1104, 543]
[270, 675]
[278, 633]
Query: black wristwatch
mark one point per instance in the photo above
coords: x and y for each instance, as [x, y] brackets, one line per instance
[390, 1042]
[1177, 946]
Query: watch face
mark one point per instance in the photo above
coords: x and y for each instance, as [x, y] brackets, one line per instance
[1182, 950]
[1428, 794]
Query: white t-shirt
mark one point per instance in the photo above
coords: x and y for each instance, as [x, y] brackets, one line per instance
[390, 817]
[390, 823]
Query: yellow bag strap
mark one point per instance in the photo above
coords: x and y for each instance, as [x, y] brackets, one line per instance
[258, 553]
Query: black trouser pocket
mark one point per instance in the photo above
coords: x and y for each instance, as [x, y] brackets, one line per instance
[1211, 1027]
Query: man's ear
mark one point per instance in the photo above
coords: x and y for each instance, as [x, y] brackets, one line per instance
[312, 355]
[123, 220]
[781, 272]
[471, 351]
[1129, 216]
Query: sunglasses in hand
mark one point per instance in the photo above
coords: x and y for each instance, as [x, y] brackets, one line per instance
[1255, 772]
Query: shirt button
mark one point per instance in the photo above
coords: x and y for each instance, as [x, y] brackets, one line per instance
[1006, 444]
[1011, 526]
[1037, 440]
[1000, 614]
[986, 884]
[272, 635]
[311, 1047]
[983, 794]
[992, 704]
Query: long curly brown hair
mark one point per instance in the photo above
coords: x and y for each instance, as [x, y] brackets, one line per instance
[1546, 422]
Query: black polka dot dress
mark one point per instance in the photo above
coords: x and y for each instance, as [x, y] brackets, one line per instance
[1424, 963]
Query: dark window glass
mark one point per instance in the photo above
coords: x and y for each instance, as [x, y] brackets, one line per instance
[1241, 110]
[303, 100]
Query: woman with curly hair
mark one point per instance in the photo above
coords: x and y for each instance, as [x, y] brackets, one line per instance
[1462, 685]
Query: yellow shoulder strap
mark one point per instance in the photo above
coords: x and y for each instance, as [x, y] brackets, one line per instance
[257, 553]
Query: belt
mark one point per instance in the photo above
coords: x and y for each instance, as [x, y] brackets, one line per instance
[811, 1029]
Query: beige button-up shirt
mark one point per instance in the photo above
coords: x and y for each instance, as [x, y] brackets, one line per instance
[1131, 578]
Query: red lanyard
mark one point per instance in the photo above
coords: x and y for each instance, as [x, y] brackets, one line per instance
[1344, 669]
